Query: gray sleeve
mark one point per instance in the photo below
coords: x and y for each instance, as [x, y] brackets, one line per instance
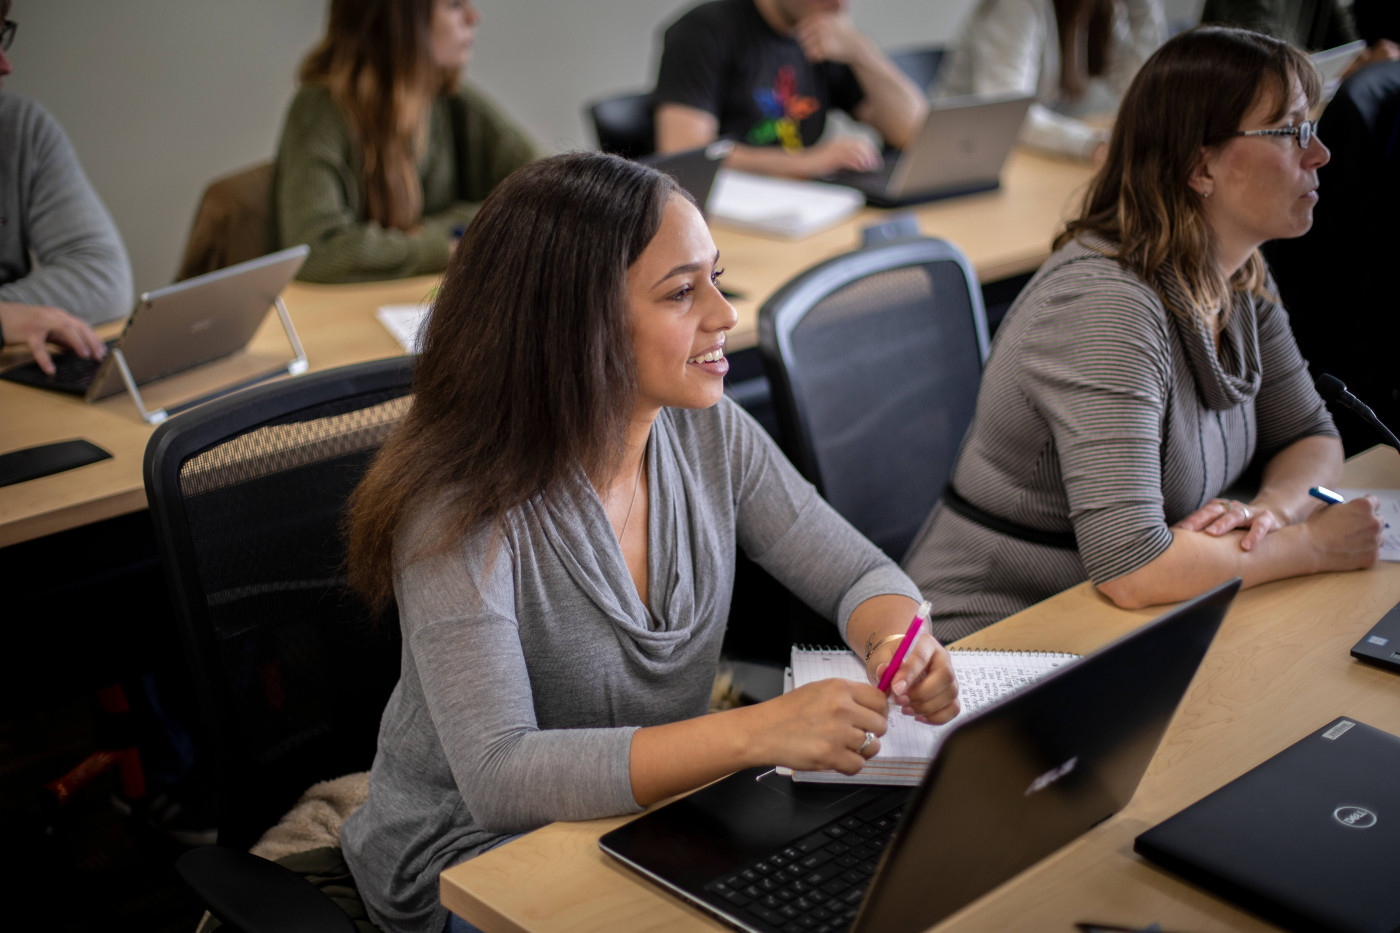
[1095, 366]
[791, 532]
[1288, 406]
[460, 629]
[82, 266]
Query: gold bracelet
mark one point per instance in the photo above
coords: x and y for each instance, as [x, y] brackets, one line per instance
[880, 644]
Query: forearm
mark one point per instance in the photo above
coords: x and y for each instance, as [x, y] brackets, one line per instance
[892, 104]
[877, 619]
[1311, 461]
[680, 756]
[1196, 561]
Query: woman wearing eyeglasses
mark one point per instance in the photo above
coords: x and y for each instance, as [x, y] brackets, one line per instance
[384, 156]
[1147, 368]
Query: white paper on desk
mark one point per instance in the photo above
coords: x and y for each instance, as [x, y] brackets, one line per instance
[781, 206]
[1389, 512]
[405, 323]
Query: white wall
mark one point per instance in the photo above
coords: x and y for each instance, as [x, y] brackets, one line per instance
[160, 96]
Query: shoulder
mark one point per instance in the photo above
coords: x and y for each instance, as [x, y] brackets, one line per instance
[27, 121]
[1086, 276]
[717, 17]
[313, 109]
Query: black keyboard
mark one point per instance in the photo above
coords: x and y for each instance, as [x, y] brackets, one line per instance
[816, 884]
[72, 373]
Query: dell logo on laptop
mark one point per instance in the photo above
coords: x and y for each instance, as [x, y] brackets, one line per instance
[1051, 776]
[1355, 817]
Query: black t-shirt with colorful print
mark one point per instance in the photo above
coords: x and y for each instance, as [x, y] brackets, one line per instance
[723, 58]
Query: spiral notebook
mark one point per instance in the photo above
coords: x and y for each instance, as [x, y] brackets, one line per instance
[907, 746]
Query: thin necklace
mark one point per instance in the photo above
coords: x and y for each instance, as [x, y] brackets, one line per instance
[635, 486]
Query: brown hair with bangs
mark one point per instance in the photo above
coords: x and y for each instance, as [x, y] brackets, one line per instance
[1190, 95]
[376, 60]
[527, 376]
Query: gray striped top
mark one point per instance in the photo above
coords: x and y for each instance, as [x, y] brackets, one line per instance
[1103, 413]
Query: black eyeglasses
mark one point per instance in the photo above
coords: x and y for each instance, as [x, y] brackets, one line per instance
[1303, 131]
[7, 34]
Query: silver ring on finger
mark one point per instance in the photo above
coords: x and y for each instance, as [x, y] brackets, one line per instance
[869, 737]
[1244, 509]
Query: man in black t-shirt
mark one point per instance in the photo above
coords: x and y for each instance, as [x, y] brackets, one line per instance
[764, 73]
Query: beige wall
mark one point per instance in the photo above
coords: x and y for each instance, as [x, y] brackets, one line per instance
[159, 96]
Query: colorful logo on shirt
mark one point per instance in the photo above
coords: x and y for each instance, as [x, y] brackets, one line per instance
[783, 111]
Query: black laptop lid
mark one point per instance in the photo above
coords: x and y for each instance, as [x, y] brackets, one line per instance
[1381, 645]
[1309, 839]
[1019, 779]
[1008, 785]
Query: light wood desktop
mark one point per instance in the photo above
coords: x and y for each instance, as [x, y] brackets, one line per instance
[1278, 670]
[1003, 233]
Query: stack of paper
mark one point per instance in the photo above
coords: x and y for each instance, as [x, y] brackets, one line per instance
[780, 206]
[405, 322]
[907, 745]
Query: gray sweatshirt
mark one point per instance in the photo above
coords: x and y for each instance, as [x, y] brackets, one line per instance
[524, 677]
[58, 246]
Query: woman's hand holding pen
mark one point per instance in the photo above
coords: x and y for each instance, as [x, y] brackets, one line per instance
[1347, 536]
[819, 726]
[924, 686]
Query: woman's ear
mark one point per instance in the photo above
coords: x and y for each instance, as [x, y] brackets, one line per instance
[1202, 179]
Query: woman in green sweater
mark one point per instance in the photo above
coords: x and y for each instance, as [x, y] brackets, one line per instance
[384, 156]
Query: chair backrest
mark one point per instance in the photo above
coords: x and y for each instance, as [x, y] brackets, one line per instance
[232, 224]
[874, 358]
[625, 125]
[921, 65]
[291, 670]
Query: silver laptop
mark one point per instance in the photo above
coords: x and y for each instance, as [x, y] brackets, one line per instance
[182, 326]
[1007, 786]
[960, 150]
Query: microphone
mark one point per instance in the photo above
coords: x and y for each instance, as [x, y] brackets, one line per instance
[1333, 389]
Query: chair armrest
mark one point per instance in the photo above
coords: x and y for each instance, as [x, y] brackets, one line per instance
[253, 895]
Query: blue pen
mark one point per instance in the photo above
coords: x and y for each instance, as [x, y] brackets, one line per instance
[1326, 495]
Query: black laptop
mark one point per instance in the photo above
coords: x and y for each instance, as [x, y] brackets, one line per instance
[1381, 645]
[1007, 786]
[693, 169]
[1310, 839]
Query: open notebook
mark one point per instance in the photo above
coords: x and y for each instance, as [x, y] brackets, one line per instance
[907, 747]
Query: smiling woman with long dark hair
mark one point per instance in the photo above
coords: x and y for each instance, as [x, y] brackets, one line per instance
[557, 518]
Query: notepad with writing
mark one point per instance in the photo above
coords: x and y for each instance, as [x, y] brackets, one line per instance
[907, 746]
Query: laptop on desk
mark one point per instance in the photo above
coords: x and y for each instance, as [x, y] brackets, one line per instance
[1310, 839]
[1007, 785]
[179, 327]
[693, 169]
[961, 149]
[1381, 645]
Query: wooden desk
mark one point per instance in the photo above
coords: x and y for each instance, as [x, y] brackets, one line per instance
[1003, 233]
[1278, 670]
[336, 325]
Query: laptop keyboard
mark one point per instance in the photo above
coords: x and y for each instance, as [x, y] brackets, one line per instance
[73, 371]
[816, 884]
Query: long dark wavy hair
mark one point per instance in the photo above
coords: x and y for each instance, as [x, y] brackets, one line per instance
[527, 376]
[1191, 94]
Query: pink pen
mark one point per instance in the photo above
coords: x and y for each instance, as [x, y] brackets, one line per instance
[924, 608]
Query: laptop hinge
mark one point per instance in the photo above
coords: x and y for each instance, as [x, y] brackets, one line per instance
[295, 367]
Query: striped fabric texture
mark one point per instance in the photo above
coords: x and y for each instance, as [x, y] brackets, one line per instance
[1103, 413]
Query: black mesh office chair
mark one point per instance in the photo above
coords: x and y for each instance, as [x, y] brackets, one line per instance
[874, 358]
[625, 125]
[292, 672]
[921, 65]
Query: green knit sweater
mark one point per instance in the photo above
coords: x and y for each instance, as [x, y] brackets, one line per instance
[318, 198]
